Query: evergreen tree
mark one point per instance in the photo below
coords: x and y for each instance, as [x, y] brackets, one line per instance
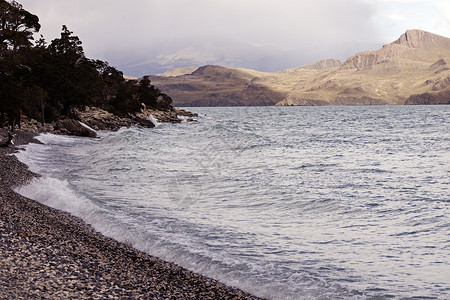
[16, 33]
[16, 26]
[68, 46]
[47, 81]
[75, 76]
[108, 86]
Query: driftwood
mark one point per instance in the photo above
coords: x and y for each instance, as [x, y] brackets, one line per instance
[9, 141]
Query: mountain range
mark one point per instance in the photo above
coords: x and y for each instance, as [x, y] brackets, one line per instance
[414, 69]
[219, 50]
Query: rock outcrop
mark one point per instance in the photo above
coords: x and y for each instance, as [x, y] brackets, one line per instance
[74, 127]
[438, 98]
[100, 119]
[439, 66]
[87, 121]
[161, 116]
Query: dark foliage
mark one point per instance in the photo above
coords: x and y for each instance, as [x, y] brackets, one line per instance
[46, 81]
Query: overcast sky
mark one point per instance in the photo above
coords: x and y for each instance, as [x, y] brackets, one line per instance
[115, 30]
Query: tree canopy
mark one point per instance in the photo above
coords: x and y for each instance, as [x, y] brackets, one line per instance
[46, 81]
[17, 25]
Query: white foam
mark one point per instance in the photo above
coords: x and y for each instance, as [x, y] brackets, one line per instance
[153, 120]
[37, 156]
[58, 194]
[52, 139]
[185, 118]
[86, 126]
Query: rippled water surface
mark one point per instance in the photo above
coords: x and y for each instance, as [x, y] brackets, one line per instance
[283, 202]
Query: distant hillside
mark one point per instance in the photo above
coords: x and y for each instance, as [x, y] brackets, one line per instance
[325, 64]
[415, 65]
[218, 86]
[178, 72]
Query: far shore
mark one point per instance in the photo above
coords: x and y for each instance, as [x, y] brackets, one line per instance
[47, 253]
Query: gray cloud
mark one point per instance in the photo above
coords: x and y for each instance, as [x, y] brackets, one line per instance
[126, 32]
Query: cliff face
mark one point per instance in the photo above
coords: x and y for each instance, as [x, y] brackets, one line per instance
[415, 64]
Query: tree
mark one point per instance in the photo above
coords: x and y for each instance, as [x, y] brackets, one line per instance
[109, 83]
[164, 102]
[16, 33]
[74, 75]
[151, 96]
[41, 43]
[16, 26]
[147, 93]
[48, 81]
[37, 101]
[12, 97]
[68, 46]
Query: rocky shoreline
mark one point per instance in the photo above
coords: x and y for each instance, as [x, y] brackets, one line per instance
[99, 119]
[46, 253]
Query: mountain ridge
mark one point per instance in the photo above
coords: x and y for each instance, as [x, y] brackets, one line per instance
[414, 64]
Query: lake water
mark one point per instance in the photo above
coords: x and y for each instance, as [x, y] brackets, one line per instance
[282, 202]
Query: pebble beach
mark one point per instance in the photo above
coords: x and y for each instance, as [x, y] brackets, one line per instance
[50, 254]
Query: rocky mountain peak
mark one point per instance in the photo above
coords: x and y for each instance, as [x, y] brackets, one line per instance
[422, 39]
[410, 41]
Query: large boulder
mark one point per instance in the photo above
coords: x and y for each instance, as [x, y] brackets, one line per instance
[144, 122]
[100, 119]
[74, 127]
[163, 116]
